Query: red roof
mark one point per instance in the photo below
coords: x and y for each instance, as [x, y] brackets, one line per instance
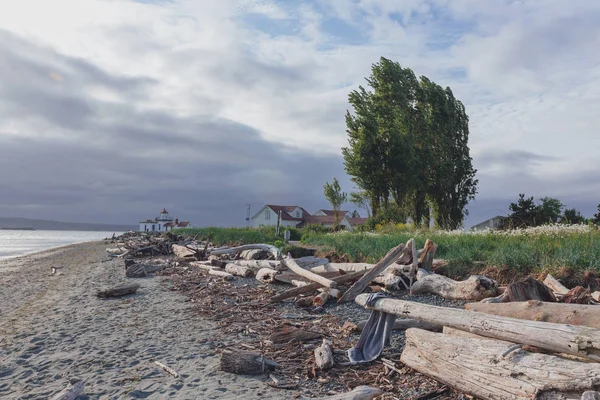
[183, 224]
[164, 211]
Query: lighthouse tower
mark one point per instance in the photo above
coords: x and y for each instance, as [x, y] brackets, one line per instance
[164, 215]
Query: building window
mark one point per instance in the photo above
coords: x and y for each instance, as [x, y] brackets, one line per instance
[267, 214]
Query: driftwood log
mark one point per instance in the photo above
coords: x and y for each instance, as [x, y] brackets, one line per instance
[533, 310]
[591, 395]
[561, 338]
[324, 355]
[290, 333]
[290, 277]
[488, 369]
[358, 393]
[528, 289]
[402, 324]
[142, 270]
[596, 296]
[118, 291]
[239, 270]
[266, 275]
[298, 270]
[426, 257]
[554, 284]
[246, 363]
[314, 286]
[366, 279]
[476, 287]
[274, 251]
[346, 267]
[577, 295]
[320, 299]
[71, 392]
[182, 251]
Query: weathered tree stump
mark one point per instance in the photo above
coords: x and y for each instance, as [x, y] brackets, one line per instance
[476, 287]
[324, 355]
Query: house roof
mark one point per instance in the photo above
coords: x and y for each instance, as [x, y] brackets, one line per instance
[320, 219]
[285, 212]
[332, 212]
[181, 224]
[357, 221]
[164, 210]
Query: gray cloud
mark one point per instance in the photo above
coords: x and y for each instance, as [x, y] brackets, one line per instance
[112, 162]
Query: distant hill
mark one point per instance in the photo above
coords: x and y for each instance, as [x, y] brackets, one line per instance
[46, 225]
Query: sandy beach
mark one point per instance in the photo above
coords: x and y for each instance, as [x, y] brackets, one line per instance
[53, 328]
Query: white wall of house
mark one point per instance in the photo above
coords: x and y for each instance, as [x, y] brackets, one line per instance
[268, 217]
[158, 226]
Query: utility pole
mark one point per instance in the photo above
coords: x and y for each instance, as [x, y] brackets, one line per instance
[248, 215]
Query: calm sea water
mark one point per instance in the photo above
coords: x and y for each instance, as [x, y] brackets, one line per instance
[17, 243]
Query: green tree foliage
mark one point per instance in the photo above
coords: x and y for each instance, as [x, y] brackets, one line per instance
[408, 147]
[523, 212]
[572, 216]
[355, 214]
[335, 196]
[596, 218]
[361, 199]
[549, 210]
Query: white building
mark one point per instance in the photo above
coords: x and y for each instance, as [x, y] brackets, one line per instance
[298, 217]
[163, 223]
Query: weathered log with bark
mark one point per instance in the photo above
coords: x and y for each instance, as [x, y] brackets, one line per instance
[183, 251]
[324, 355]
[533, 310]
[476, 287]
[266, 275]
[363, 282]
[118, 291]
[484, 368]
[290, 277]
[314, 286]
[289, 333]
[220, 273]
[577, 295]
[274, 251]
[571, 339]
[298, 270]
[346, 267]
[320, 299]
[358, 393]
[246, 363]
[528, 289]
[426, 257]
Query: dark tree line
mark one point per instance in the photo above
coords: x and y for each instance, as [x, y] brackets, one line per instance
[548, 210]
[408, 149]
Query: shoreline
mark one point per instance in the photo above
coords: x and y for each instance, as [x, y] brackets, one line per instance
[57, 329]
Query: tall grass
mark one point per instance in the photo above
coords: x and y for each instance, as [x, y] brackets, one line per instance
[231, 236]
[522, 252]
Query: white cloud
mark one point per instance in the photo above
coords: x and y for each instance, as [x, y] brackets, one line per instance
[526, 70]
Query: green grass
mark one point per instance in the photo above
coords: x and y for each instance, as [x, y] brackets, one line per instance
[232, 236]
[467, 253]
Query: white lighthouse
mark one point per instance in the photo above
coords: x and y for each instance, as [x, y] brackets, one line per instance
[162, 223]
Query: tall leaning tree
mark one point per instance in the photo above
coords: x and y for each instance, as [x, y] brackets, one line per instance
[408, 143]
[335, 196]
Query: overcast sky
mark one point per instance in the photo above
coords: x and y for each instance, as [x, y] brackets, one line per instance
[111, 110]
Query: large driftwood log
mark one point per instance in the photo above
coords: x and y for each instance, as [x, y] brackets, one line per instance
[221, 274]
[533, 310]
[314, 286]
[182, 251]
[571, 339]
[239, 270]
[346, 267]
[591, 395]
[363, 282]
[295, 268]
[402, 324]
[266, 275]
[246, 363]
[476, 287]
[358, 393]
[234, 250]
[596, 296]
[324, 355]
[71, 392]
[290, 277]
[118, 291]
[483, 368]
[289, 333]
[557, 287]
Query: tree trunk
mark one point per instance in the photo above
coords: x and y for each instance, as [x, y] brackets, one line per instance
[294, 267]
[533, 310]
[314, 286]
[528, 289]
[571, 339]
[358, 393]
[477, 367]
[266, 275]
[324, 355]
[426, 258]
[363, 282]
[245, 363]
[475, 288]
[119, 291]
